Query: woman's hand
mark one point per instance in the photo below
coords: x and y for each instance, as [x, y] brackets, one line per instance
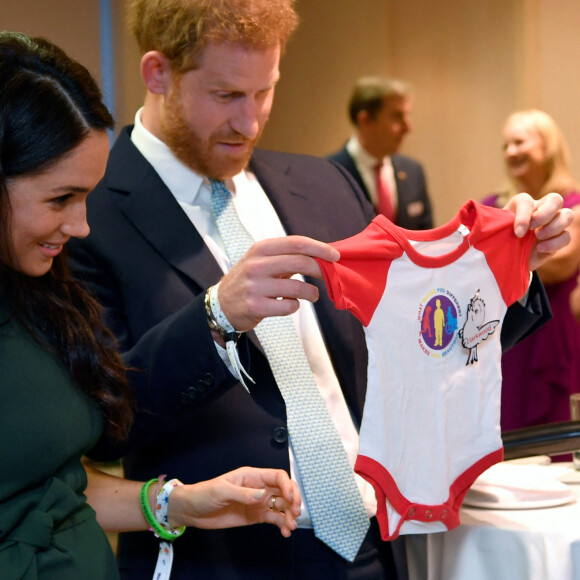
[241, 497]
[549, 220]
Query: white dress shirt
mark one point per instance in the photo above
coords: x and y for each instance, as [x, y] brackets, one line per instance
[366, 163]
[193, 193]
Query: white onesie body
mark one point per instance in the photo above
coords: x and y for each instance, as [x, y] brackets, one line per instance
[432, 303]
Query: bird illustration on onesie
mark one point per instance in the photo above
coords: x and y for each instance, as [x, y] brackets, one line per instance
[475, 330]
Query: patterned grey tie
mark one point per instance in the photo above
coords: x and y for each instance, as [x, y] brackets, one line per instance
[336, 507]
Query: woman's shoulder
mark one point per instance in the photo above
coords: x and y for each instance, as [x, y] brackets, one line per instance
[492, 200]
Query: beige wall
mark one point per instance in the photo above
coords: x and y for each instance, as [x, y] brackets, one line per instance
[72, 24]
[471, 62]
[465, 72]
[128, 84]
[335, 43]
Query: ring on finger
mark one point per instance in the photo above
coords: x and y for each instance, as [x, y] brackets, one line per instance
[273, 503]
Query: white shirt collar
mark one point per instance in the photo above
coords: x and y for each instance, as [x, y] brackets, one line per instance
[183, 182]
[361, 156]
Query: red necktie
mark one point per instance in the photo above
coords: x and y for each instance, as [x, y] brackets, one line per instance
[385, 205]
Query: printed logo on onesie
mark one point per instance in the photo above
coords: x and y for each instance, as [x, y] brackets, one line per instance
[439, 314]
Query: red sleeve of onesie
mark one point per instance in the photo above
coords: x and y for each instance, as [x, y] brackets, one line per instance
[357, 281]
[507, 256]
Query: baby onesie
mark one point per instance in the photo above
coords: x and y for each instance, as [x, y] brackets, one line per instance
[432, 303]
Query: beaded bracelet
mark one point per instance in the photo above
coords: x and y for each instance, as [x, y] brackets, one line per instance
[160, 531]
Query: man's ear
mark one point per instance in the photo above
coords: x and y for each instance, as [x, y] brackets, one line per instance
[362, 118]
[156, 72]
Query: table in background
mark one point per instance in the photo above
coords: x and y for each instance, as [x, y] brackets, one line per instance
[534, 544]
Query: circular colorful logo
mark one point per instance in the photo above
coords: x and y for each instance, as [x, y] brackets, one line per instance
[438, 315]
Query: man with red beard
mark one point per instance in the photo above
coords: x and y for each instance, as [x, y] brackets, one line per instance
[161, 269]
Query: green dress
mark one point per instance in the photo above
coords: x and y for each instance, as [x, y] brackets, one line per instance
[47, 530]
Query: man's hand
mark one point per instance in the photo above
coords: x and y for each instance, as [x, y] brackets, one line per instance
[549, 220]
[260, 284]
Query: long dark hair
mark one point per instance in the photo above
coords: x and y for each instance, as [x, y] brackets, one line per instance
[49, 103]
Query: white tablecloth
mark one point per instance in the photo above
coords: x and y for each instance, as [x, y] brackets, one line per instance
[533, 544]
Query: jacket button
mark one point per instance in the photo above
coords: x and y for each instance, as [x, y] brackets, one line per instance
[206, 381]
[280, 434]
[189, 395]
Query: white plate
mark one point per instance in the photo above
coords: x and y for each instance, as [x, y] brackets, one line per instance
[533, 460]
[521, 505]
[572, 476]
[506, 486]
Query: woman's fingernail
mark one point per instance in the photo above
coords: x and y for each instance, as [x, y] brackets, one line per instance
[259, 494]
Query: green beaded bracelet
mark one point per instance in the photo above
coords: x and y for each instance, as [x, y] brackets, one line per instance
[155, 526]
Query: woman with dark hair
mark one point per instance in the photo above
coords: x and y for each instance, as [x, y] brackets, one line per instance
[63, 384]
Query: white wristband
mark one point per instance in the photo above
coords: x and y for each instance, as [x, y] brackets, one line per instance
[165, 557]
[219, 321]
[162, 504]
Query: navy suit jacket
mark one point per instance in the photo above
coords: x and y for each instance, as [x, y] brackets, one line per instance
[150, 268]
[414, 205]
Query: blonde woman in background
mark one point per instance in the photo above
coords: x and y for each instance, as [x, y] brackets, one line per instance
[541, 371]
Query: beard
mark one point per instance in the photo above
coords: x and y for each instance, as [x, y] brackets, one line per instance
[198, 153]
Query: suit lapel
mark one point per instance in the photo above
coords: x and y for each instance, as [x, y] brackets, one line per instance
[291, 205]
[274, 178]
[299, 207]
[151, 208]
